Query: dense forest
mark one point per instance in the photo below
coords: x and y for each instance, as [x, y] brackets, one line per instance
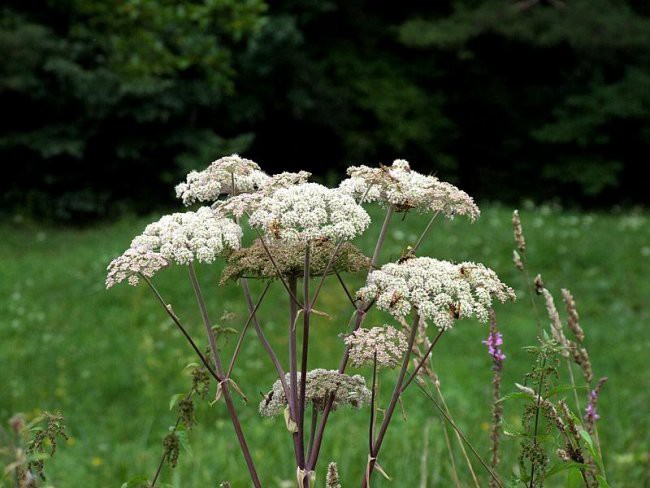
[108, 103]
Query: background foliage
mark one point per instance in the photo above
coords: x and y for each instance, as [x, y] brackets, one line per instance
[110, 102]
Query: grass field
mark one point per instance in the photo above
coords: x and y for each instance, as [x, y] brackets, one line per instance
[111, 360]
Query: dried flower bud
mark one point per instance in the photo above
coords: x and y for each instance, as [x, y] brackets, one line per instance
[556, 323]
[186, 412]
[517, 260]
[332, 478]
[563, 455]
[200, 381]
[570, 420]
[518, 231]
[289, 257]
[572, 311]
[171, 448]
[539, 284]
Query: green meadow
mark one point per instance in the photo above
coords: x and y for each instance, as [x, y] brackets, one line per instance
[110, 360]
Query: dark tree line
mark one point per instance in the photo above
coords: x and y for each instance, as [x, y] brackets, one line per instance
[107, 103]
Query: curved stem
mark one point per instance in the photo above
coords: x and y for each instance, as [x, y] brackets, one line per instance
[417, 245]
[460, 433]
[391, 406]
[224, 383]
[381, 238]
[422, 361]
[176, 321]
[305, 352]
[244, 329]
[265, 343]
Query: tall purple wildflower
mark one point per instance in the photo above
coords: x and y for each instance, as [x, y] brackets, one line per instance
[591, 411]
[494, 340]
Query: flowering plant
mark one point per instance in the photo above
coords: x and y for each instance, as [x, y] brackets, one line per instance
[304, 232]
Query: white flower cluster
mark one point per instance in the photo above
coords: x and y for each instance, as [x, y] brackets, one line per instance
[243, 203]
[134, 262]
[321, 383]
[309, 211]
[181, 238]
[184, 237]
[406, 189]
[216, 180]
[388, 343]
[438, 290]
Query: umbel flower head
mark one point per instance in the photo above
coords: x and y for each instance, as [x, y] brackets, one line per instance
[133, 263]
[309, 211]
[289, 258]
[245, 203]
[406, 189]
[217, 179]
[438, 290]
[321, 383]
[180, 238]
[387, 343]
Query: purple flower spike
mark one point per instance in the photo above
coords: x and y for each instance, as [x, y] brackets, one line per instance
[591, 412]
[494, 340]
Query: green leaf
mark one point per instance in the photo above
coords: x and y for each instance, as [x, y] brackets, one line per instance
[593, 451]
[574, 479]
[136, 482]
[174, 400]
[602, 482]
[562, 467]
[518, 395]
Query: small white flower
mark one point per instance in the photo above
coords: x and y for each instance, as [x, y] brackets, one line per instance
[406, 189]
[438, 290]
[244, 203]
[216, 180]
[309, 211]
[387, 343]
[181, 238]
[134, 262]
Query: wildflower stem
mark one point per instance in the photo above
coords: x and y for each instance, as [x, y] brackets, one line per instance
[346, 290]
[224, 383]
[333, 256]
[424, 233]
[460, 433]
[265, 343]
[176, 321]
[313, 456]
[293, 372]
[290, 291]
[458, 437]
[537, 408]
[164, 455]
[422, 362]
[240, 340]
[373, 392]
[573, 384]
[381, 238]
[374, 452]
[305, 351]
[154, 480]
